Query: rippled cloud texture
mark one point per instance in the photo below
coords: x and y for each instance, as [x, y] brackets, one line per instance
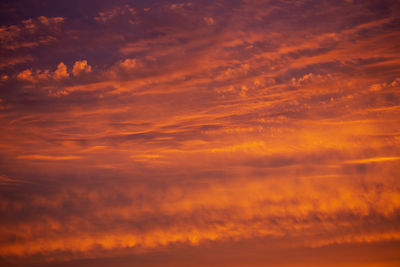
[200, 133]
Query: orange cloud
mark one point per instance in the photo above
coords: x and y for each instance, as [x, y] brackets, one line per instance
[241, 140]
[81, 67]
[26, 75]
[49, 21]
[61, 72]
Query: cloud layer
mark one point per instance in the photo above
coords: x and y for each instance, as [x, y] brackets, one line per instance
[142, 131]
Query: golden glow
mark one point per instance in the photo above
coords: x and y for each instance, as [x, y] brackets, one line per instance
[226, 134]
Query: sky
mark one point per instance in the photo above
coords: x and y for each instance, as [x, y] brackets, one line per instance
[237, 133]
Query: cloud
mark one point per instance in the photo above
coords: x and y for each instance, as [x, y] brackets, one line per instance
[50, 21]
[45, 75]
[128, 64]
[14, 60]
[381, 86]
[209, 21]
[30, 33]
[115, 13]
[6, 181]
[61, 71]
[47, 157]
[26, 75]
[371, 160]
[297, 205]
[235, 125]
[81, 67]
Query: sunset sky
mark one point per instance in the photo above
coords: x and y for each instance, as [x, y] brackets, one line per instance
[226, 133]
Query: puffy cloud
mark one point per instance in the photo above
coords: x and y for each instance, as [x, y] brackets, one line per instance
[128, 64]
[302, 80]
[380, 86]
[81, 67]
[61, 72]
[26, 75]
[42, 75]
